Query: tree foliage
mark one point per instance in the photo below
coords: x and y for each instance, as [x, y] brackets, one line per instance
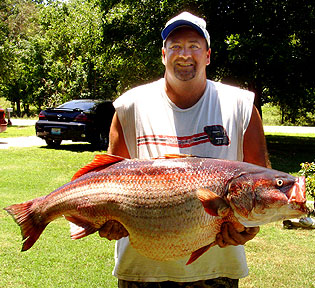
[267, 49]
[53, 51]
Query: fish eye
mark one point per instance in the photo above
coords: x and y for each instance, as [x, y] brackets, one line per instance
[279, 182]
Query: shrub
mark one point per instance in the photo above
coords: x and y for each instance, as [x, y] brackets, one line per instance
[308, 170]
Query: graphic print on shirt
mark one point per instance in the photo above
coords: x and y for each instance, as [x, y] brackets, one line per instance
[215, 134]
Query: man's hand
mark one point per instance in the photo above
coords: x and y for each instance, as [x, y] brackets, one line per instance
[113, 230]
[229, 235]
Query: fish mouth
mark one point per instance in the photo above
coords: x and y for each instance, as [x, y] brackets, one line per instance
[297, 194]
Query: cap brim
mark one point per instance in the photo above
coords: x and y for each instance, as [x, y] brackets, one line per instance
[167, 30]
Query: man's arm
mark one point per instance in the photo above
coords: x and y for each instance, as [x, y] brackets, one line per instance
[117, 144]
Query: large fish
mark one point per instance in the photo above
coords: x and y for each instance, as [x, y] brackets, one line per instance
[171, 207]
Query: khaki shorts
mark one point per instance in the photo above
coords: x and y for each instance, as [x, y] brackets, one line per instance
[221, 282]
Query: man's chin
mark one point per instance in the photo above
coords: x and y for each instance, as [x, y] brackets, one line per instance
[185, 77]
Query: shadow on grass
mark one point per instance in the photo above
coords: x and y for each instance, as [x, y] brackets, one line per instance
[288, 152]
[76, 147]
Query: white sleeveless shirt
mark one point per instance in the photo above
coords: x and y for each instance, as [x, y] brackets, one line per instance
[213, 127]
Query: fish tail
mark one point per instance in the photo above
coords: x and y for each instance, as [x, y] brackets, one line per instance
[25, 217]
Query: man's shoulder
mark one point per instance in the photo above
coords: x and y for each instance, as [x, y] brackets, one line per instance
[226, 87]
[225, 91]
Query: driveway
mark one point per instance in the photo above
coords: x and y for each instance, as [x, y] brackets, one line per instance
[290, 129]
[29, 141]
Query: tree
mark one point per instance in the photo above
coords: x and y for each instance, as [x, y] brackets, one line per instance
[19, 19]
[266, 46]
[53, 51]
[73, 39]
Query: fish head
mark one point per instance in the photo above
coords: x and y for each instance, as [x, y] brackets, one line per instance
[264, 197]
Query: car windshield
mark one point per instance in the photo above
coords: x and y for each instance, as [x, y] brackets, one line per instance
[83, 105]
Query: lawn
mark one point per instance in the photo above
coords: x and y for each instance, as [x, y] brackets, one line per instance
[276, 257]
[18, 131]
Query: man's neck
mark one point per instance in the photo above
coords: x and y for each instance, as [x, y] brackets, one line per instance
[186, 93]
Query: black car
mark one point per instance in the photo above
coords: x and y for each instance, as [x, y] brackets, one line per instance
[77, 120]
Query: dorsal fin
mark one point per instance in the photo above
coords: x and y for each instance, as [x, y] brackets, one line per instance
[99, 162]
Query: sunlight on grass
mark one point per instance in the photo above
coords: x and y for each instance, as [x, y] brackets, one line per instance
[18, 131]
[280, 258]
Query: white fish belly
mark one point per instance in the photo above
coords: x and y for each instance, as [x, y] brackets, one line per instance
[171, 232]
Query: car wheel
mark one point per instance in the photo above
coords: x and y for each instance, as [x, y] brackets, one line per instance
[100, 141]
[53, 143]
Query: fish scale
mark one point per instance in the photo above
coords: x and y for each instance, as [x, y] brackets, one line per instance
[171, 208]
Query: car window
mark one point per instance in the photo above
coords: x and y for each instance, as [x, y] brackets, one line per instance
[77, 104]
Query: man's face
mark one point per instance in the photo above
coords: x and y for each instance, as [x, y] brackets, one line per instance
[185, 54]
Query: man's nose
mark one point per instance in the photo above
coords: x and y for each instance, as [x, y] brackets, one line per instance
[185, 52]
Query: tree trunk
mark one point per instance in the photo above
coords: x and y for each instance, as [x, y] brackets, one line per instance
[256, 87]
[18, 107]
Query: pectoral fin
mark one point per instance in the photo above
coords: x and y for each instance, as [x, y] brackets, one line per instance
[213, 203]
[196, 254]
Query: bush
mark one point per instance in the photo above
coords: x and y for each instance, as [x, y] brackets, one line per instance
[308, 170]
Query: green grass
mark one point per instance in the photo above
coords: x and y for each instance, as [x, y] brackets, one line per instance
[280, 258]
[276, 257]
[271, 115]
[18, 131]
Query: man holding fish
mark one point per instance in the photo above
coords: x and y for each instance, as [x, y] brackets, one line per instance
[186, 216]
[186, 113]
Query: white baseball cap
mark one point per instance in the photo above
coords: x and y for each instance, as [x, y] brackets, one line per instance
[186, 19]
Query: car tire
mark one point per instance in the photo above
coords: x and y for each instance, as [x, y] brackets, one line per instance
[53, 143]
[100, 141]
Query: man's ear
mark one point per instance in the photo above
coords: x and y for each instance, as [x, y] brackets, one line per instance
[163, 55]
[208, 56]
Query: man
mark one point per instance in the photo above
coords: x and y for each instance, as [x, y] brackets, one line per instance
[186, 113]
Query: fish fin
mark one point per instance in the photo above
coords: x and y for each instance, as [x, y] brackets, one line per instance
[25, 217]
[173, 156]
[79, 228]
[99, 162]
[196, 254]
[213, 203]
